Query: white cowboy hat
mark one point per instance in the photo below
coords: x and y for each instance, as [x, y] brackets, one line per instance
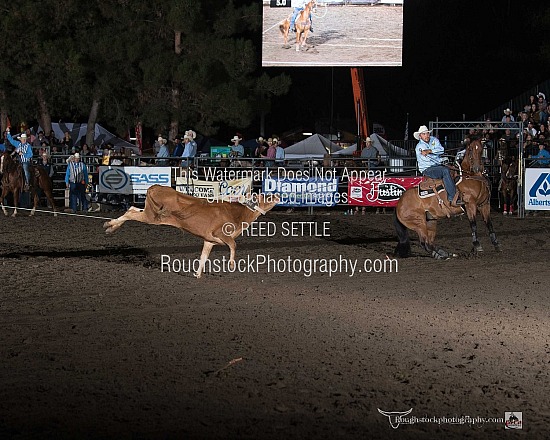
[260, 139]
[422, 129]
[77, 155]
[541, 94]
[192, 135]
[368, 139]
[236, 138]
[507, 111]
[187, 136]
[23, 136]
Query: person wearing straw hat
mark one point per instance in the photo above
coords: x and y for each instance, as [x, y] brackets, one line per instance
[163, 152]
[190, 148]
[76, 179]
[24, 149]
[508, 113]
[237, 150]
[429, 153]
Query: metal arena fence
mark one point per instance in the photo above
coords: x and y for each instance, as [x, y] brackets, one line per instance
[390, 166]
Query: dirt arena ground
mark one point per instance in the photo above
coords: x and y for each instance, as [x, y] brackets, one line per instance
[343, 36]
[98, 342]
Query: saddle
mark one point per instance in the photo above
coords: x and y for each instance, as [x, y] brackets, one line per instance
[429, 187]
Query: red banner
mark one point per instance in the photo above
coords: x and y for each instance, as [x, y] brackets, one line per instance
[379, 192]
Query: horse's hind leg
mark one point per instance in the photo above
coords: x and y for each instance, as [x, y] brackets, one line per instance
[475, 241]
[4, 210]
[429, 242]
[16, 196]
[485, 211]
[35, 198]
[51, 201]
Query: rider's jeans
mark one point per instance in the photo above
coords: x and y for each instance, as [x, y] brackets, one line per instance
[442, 172]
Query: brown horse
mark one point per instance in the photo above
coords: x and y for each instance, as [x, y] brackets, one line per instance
[508, 185]
[421, 213]
[13, 181]
[302, 24]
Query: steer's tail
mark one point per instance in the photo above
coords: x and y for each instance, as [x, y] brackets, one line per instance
[403, 248]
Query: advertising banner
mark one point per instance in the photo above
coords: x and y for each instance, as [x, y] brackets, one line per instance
[303, 192]
[132, 180]
[226, 190]
[537, 189]
[379, 192]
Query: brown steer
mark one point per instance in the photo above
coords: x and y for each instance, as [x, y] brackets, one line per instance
[214, 222]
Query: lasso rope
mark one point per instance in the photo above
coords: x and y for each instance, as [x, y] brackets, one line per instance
[59, 212]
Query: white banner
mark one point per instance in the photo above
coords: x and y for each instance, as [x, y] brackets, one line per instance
[537, 189]
[132, 180]
[226, 190]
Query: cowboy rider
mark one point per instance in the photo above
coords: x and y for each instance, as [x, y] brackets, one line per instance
[24, 149]
[299, 6]
[429, 153]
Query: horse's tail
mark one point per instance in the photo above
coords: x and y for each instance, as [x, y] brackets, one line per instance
[403, 248]
[284, 26]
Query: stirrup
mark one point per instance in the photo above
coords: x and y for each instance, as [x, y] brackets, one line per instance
[457, 204]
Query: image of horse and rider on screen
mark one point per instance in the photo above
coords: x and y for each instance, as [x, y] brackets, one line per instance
[332, 33]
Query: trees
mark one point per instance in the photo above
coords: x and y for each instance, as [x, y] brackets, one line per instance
[163, 63]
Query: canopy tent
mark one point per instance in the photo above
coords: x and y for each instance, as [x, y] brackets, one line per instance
[315, 146]
[384, 148]
[387, 147]
[348, 151]
[101, 135]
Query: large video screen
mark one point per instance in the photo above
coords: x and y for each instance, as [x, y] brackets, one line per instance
[352, 33]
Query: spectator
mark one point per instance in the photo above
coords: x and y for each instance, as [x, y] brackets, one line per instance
[157, 144]
[190, 148]
[40, 139]
[260, 150]
[237, 150]
[530, 148]
[532, 100]
[52, 140]
[370, 153]
[524, 117]
[541, 101]
[85, 151]
[534, 114]
[43, 149]
[531, 129]
[178, 146]
[76, 179]
[543, 157]
[279, 152]
[271, 153]
[46, 164]
[542, 131]
[30, 137]
[508, 113]
[24, 150]
[164, 152]
[66, 143]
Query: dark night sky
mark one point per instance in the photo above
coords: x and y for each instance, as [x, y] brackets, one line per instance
[458, 57]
